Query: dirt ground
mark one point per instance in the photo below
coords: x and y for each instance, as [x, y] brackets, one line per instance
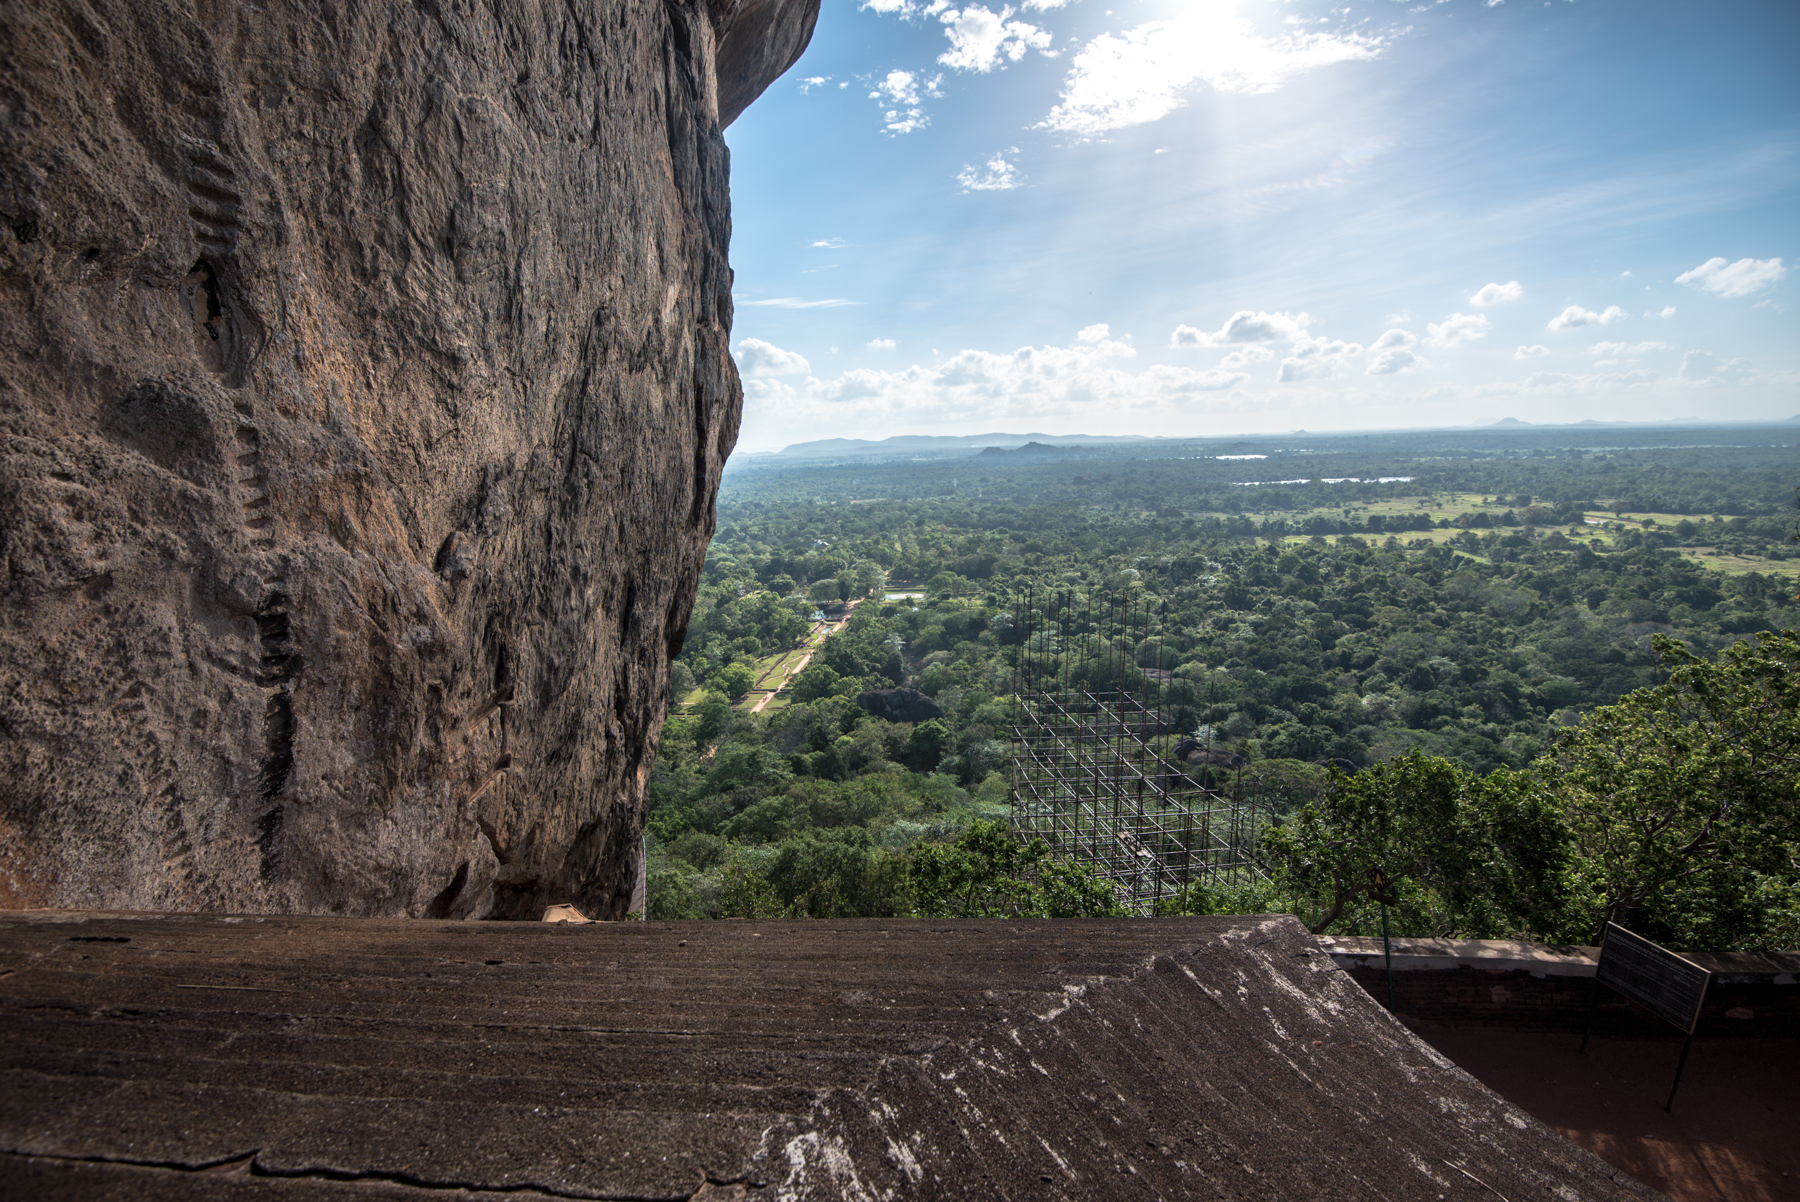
[1733, 1136]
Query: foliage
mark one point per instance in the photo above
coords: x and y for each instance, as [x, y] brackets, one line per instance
[734, 680]
[1469, 618]
[1207, 897]
[1684, 798]
[989, 873]
[1454, 854]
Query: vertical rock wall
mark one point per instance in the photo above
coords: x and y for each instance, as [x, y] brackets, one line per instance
[364, 389]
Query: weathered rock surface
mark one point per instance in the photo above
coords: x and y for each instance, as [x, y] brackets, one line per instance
[364, 388]
[176, 1057]
[900, 705]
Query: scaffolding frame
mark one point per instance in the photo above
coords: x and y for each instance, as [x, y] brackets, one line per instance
[1094, 774]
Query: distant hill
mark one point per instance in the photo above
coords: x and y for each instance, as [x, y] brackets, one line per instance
[1032, 448]
[901, 443]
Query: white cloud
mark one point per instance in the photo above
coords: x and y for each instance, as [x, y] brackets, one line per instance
[795, 302]
[829, 243]
[980, 38]
[1395, 360]
[1317, 358]
[1244, 356]
[1612, 350]
[758, 358]
[1141, 75]
[1742, 278]
[1458, 329]
[1083, 382]
[1668, 311]
[1245, 326]
[1704, 367]
[1531, 352]
[881, 344]
[998, 176]
[1099, 332]
[1393, 340]
[903, 7]
[902, 96]
[1216, 380]
[1027, 365]
[1551, 381]
[1575, 315]
[759, 391]
[813, 81]
[1498, 294]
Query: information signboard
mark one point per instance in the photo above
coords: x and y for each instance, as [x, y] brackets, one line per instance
[1657, 979]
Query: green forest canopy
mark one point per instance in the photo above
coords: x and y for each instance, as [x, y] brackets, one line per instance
[1445, 607]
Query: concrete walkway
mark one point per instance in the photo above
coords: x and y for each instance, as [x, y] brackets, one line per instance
[1733, 1134]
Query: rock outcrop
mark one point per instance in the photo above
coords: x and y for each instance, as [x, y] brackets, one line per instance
[900, 705]
[1196, 754]
[364, 388]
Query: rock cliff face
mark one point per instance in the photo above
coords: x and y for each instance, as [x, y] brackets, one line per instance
[364, 388]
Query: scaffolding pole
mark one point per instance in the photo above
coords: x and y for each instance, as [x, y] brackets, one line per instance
[1094, 773]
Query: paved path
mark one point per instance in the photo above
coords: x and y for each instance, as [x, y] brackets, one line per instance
[815, 640]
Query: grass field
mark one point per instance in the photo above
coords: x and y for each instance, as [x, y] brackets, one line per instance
[1600, 523]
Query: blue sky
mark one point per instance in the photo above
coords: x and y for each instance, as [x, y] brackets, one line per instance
[1231, 216]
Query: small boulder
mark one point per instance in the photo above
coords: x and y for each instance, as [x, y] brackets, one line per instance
[1192, 752]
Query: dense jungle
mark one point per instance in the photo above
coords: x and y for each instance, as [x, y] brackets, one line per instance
[1512, 682]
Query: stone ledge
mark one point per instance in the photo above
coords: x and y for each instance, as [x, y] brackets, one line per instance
[1543, 959]
[1488, 955]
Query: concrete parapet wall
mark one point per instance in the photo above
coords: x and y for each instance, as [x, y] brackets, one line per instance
[1546, 987]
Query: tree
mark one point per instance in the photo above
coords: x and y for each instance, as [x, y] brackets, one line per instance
[838, 873]
[866, 576]
[926, 743]
[989, 873]
[1685, 785]
[813, 682]
[1379, 826]
[735, 680]
[1456, 854]
[712, 716]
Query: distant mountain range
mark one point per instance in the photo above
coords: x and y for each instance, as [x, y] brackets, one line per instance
[901, 444]
[950, 442]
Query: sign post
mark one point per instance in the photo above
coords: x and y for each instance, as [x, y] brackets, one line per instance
[1382, 890]
[1669, 986]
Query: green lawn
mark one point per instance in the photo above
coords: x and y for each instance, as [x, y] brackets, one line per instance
[1606, 526]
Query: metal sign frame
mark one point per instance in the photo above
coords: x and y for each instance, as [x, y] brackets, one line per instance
[1670, 986]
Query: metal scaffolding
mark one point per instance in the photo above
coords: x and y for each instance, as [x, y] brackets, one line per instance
[1094, 770]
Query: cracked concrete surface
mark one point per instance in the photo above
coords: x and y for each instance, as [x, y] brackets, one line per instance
[156, 1056]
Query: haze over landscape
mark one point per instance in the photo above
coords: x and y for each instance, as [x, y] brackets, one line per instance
[1229, 216]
